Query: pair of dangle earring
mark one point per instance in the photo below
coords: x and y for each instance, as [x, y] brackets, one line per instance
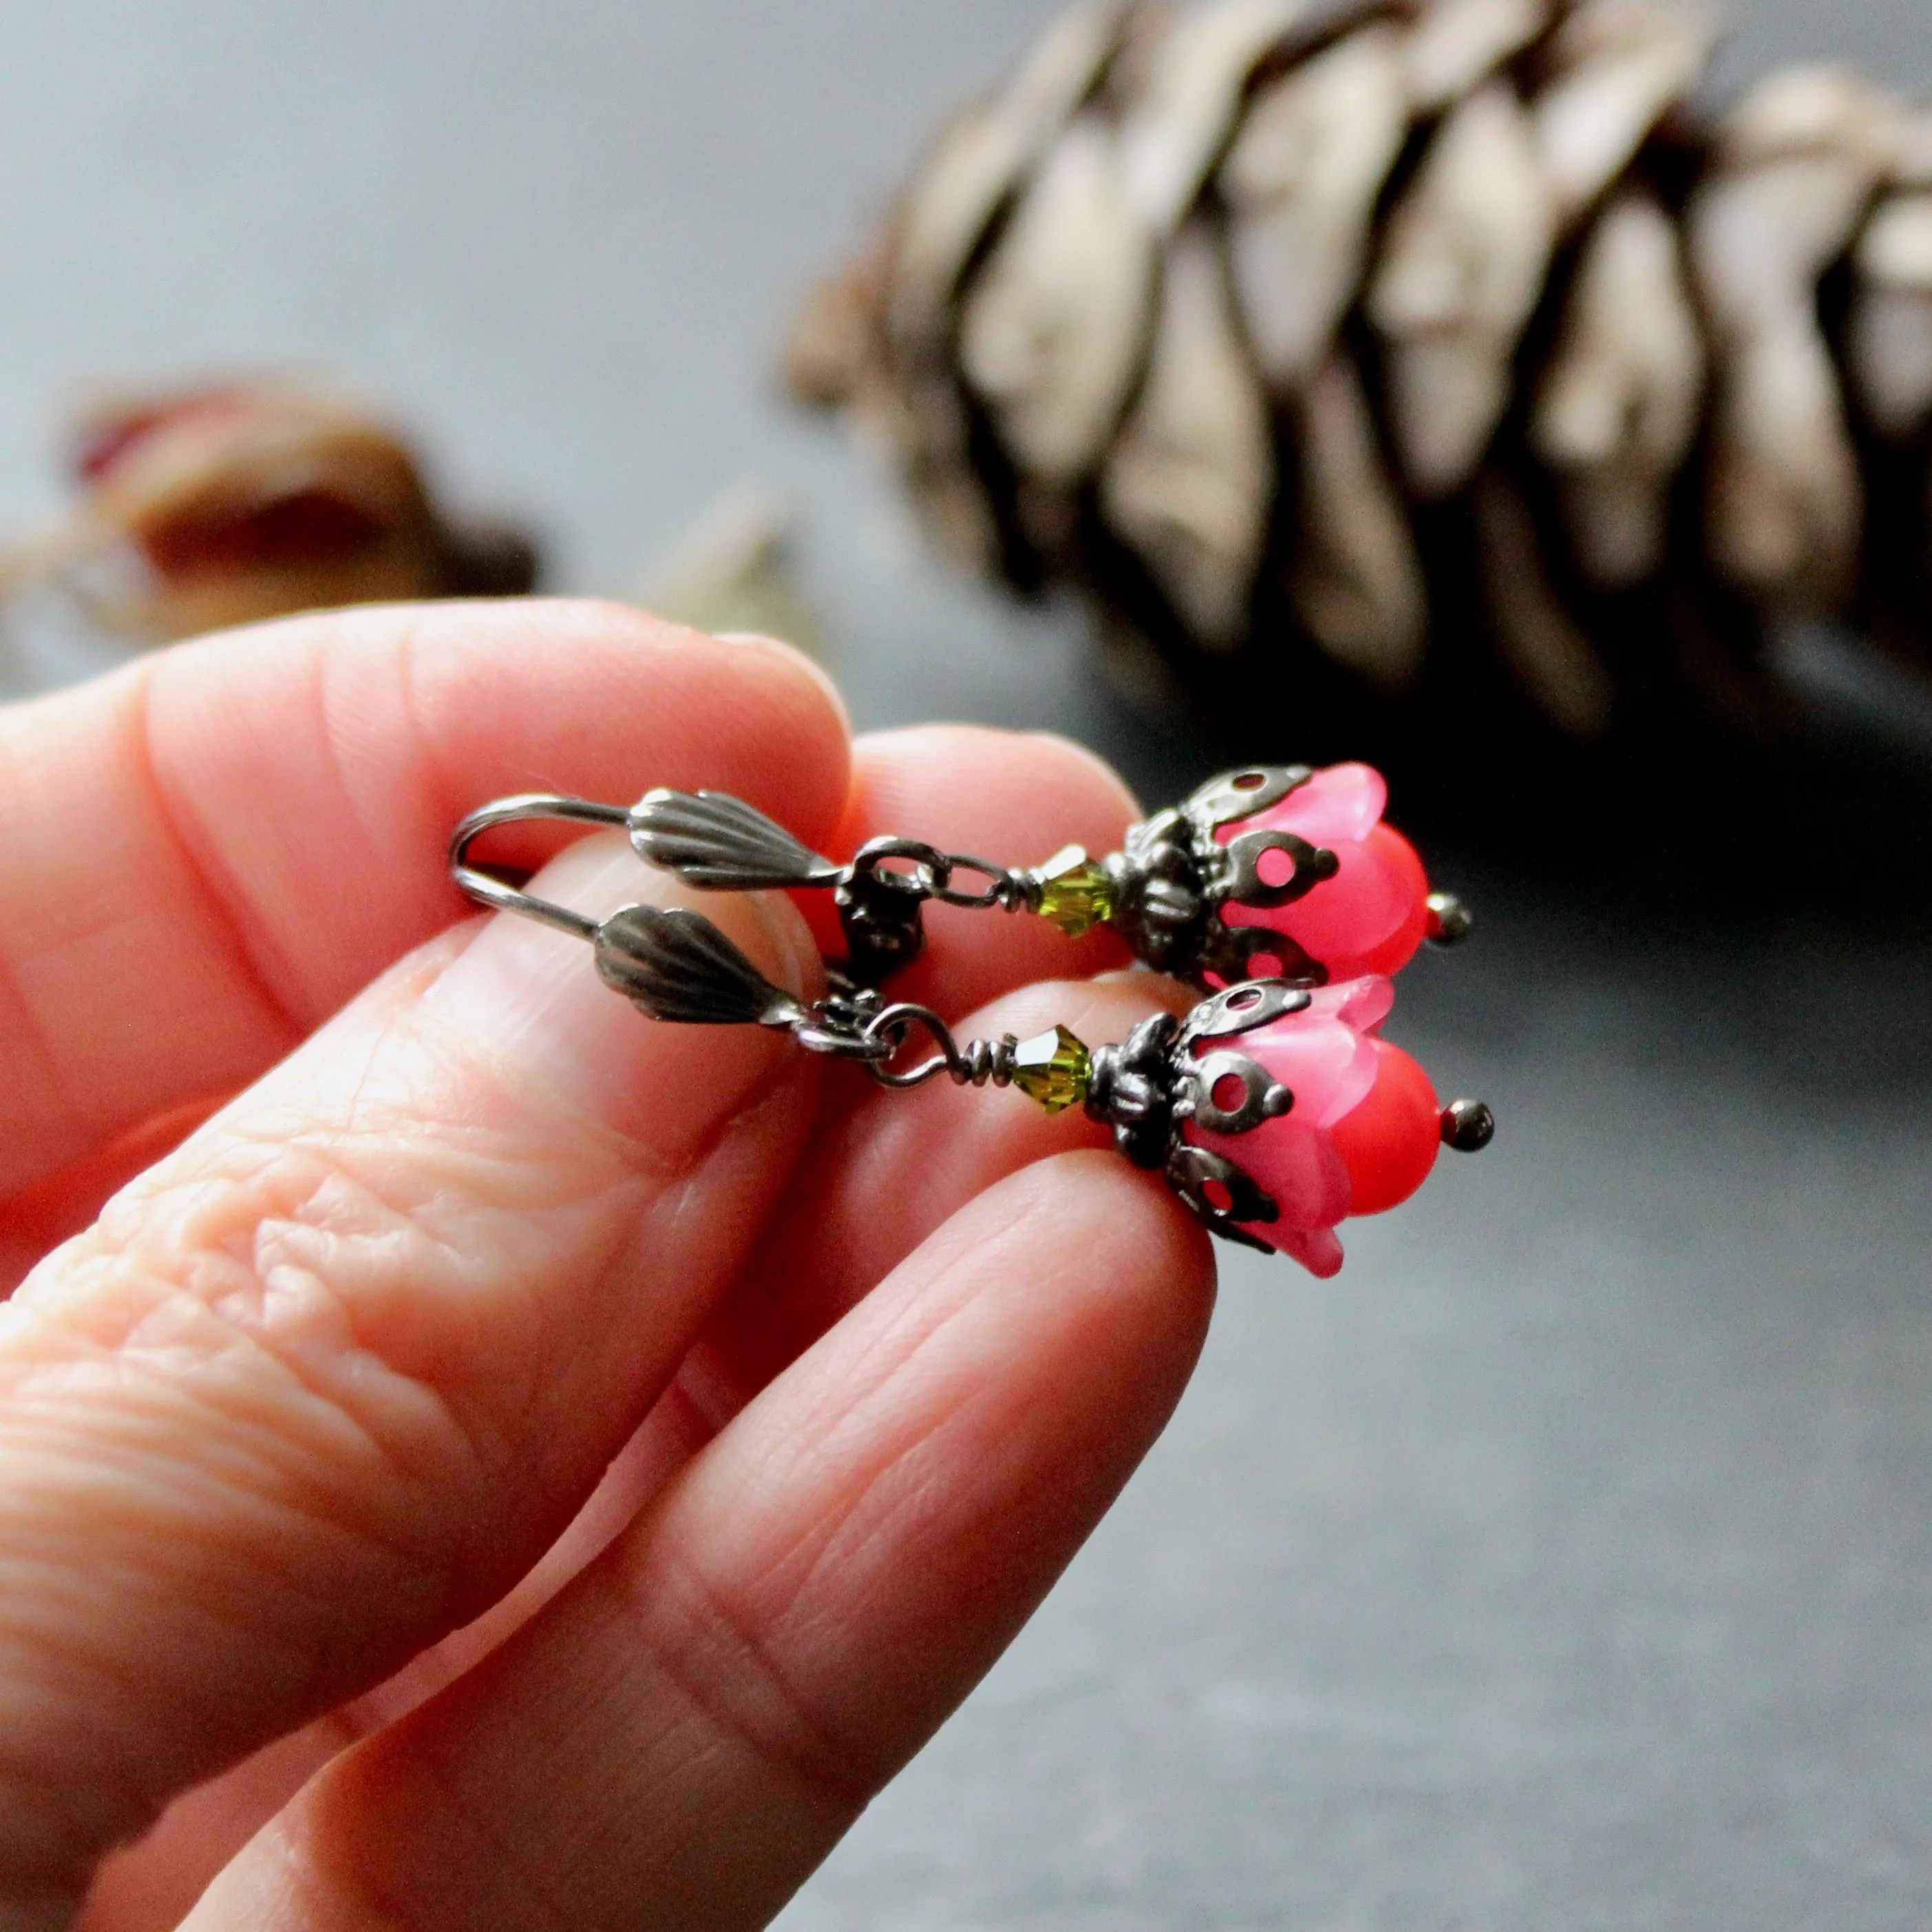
[1275, 1109]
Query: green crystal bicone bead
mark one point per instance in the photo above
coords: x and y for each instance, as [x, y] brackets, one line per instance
[1074, 893]
[1055, 1069]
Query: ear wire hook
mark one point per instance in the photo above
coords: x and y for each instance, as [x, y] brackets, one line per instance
[498, 894]
[677, 966]
[673, 964]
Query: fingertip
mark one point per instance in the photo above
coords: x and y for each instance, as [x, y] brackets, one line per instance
[1106, 777]
[1159, 989]
[723, 694]
[1010, 1374]
[1151, 1265]
[1010, 799]
[1105, 1283]
[798, 662]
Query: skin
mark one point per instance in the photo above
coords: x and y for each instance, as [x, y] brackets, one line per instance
[470, 1455]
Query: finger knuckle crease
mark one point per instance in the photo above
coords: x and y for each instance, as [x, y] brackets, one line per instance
[718, 1662]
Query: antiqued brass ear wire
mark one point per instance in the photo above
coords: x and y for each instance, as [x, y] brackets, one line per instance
[1274, 1110]
[676, 966]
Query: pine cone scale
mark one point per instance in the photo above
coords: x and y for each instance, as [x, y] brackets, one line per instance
[1300, 184]
[1188, 482]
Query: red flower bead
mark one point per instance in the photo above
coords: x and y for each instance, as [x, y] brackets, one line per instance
[1389, 1140]
[1362, 1135]
[1371, 916]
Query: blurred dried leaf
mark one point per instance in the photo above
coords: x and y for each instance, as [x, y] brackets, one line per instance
[202, 509]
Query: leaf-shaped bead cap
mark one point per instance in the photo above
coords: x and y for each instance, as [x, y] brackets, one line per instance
[677, 966]
[710, 838]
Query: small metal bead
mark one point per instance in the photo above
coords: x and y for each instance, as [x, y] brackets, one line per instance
[1468, 1126]
[1450, 920]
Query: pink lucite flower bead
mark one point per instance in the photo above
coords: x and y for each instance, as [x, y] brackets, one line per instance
[1374, 912]
[1362, 1135]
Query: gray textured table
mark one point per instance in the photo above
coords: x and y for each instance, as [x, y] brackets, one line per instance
[1568, 1562]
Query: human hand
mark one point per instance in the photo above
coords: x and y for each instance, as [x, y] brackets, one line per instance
[515, 1464]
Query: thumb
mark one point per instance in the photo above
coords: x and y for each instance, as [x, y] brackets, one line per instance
[320, 1387]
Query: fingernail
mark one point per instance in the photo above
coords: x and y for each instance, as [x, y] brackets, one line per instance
[530, 998]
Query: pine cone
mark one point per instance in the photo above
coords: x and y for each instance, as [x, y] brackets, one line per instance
[1411, 340]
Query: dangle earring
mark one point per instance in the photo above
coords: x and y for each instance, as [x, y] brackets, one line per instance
[1272, 871]
[1275, 1110]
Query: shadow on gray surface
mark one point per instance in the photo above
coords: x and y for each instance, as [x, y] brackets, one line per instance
[1829, 820]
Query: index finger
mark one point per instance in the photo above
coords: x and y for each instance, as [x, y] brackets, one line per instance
[208, 853]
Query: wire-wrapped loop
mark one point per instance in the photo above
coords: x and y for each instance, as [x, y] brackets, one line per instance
[895, 1024]
[977, 1064]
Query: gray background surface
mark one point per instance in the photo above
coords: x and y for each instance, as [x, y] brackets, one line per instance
[1568, 1562]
